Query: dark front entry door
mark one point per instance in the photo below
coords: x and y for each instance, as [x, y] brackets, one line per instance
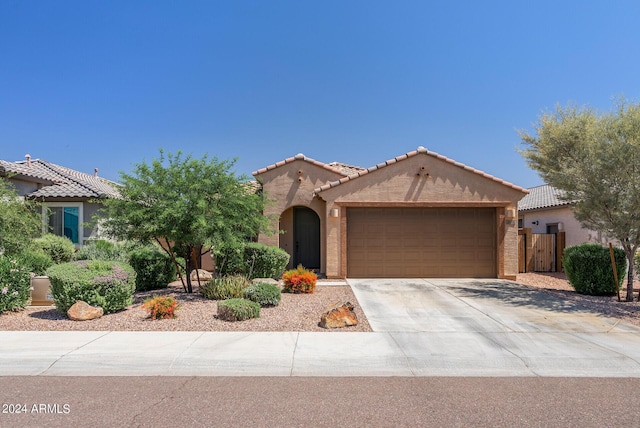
[306, 236]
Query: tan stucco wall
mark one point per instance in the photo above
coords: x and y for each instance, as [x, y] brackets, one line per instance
[575, 234]
[420, 180]
[424, 180]
[292, 185]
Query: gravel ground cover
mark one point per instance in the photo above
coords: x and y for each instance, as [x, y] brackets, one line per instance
[296, 312]
[557, 285]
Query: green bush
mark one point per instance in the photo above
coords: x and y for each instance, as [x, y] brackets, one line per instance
[36, 260]
[226, 287]
[59, 248]
[264, 261]
[15, 284]
[238, 310]
[264, 294]
[107, 284]
[253, 260]
[589, 271]
[154, 268]
[229, 260]
[101, 249]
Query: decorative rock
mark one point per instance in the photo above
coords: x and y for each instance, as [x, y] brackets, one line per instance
[264, 281]
[203, 274]
[82, 311]
[339, 315]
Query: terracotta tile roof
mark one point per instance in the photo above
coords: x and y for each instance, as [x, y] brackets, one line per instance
[335, 168]
[419, 150]
[60, 181]
[544, 196]
[346, 168]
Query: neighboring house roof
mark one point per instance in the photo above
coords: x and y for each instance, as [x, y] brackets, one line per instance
[419, 150]
[544, 196]
[346, 168]
[333, 167]
[59, 181]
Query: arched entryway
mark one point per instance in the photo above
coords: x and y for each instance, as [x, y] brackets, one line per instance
[306, 238]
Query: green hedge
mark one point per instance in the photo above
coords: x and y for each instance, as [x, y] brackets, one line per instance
[589, 271]
[238, 310]
[107, 284]
[253, 260]
[101, 249]
[59, 248]
[264, 294]
[154, 268]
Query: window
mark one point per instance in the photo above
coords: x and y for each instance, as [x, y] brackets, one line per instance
[64, 220]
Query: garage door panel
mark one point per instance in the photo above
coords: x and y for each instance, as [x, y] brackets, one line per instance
[421, 242]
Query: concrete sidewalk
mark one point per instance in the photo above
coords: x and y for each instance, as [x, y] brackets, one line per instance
[497, 354]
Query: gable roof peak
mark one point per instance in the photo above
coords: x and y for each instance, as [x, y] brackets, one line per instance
[419, 150]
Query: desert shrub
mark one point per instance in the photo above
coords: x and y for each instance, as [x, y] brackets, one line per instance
[36, 260]
[161, 307]
[589, 271]
[238, 310]
[59, 248]
[299, 280]
[15, 284]
[254, 260]
[154, 268]
[229, 260]
[225, 287]
[264, 261]
[101, 249]
[264, 294]
[107, 284]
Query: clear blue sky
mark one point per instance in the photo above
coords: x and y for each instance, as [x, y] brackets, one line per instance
[107, 83]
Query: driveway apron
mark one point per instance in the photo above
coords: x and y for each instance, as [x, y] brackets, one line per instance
[472, 305]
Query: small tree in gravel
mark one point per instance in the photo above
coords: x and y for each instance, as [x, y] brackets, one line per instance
[595, 159]
[193, 203]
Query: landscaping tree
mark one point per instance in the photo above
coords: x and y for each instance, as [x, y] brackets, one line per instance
[595, 159]
[192, 203]
[19, 220]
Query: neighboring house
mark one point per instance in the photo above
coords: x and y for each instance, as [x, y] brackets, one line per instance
[417, 215]
[65, 192]
[544, 211]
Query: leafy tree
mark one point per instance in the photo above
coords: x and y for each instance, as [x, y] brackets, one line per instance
[595, 159]
[193, 203]
[19, 220]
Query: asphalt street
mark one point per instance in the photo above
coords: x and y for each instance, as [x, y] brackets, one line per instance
[318, 402]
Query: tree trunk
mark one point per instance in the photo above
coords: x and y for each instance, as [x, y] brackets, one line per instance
[629, 254]
[188, 261]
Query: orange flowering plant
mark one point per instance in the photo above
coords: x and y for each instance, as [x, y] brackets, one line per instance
[299, 280]
[160, 307]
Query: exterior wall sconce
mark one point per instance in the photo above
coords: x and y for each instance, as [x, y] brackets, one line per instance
[334, 212]
[510, 215]
[535, 223]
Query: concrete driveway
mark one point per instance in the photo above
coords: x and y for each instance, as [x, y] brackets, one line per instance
[472, 305]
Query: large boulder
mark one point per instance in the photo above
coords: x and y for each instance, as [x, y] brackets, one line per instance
[338, 315]
[202, 274]
[82, 311]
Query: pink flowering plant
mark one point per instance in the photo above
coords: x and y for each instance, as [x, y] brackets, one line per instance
[15, 284]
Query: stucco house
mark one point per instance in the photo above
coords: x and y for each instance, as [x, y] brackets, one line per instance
[65, 192]
[417, 215]
[544, 211]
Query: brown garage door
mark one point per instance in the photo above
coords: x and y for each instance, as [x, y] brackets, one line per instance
[421, 243]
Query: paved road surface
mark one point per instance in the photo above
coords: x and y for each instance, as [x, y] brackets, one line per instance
[321, 402]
